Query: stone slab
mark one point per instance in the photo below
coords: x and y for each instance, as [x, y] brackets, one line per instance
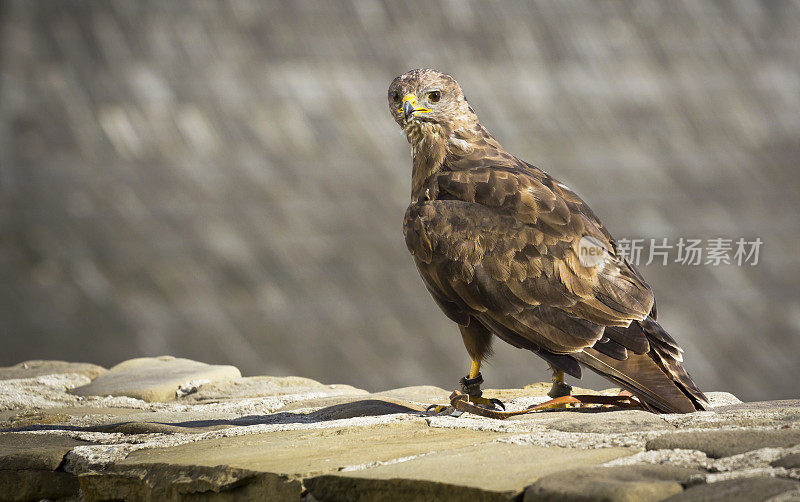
[791, 461]
[321, 402]
[739, 490]
[762, 405]
[27, 485]
[724, 443]
[197, 419]
[738, 416]
[34, 368]
[610, 484]
[305, 451]
[28, 464]
[31, 419]
[427, 394]
[34, 451]
[196, 483]
[600, 421]
[261, 386]
[102, 419]
[494, 467]
[332, 488]
[155, 378]
[225, 437]
[720, 399]
[38, 393]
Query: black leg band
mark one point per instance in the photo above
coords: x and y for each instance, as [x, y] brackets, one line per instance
[472, 386]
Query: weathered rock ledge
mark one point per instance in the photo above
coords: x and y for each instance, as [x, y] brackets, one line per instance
[173, 429]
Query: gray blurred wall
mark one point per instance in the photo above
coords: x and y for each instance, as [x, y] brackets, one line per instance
[222, 180]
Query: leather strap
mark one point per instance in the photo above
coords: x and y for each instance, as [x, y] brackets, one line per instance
[460, 401]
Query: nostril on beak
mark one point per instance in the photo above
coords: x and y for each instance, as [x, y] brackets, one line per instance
[408, 109]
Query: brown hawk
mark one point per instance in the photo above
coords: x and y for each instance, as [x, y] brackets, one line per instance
[506, 250]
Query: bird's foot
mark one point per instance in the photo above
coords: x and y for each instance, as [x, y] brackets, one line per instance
[472, 388]
[480, 401]
[560, 389]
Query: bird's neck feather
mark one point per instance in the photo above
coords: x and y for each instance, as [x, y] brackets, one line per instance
[428, 151]
[459, 145]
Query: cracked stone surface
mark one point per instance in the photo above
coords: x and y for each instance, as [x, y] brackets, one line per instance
[34, 451]
[637, 482]
[743, 490]
[791, 461]
[725, 443]
[174, 429]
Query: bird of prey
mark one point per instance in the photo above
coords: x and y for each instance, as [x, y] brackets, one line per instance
[502, 248]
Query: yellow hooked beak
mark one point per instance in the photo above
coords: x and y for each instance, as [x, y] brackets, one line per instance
[409, 107]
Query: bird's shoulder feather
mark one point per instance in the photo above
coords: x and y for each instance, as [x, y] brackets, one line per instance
[504, 241]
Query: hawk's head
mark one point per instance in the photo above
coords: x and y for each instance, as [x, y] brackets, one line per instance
[425, 96]
[440, 125]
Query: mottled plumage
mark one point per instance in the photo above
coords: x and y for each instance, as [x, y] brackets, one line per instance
[497, 243]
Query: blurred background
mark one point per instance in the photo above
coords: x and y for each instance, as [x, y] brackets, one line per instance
[222, 180]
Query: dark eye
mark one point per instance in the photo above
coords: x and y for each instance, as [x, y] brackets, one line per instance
[434, 96]
[396, 96]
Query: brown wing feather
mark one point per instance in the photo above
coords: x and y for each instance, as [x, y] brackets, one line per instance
[525, 237]
[656, 376]
[498, 246]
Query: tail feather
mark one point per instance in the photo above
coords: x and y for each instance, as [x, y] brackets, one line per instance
[656, 377]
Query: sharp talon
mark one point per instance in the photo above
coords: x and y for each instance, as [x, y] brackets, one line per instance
[490, 404]
[498, 403]
[437, 409]
[443, 410]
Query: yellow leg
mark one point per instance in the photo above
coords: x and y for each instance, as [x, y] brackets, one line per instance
[475, 368]
[560, 388]
[474, 371]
